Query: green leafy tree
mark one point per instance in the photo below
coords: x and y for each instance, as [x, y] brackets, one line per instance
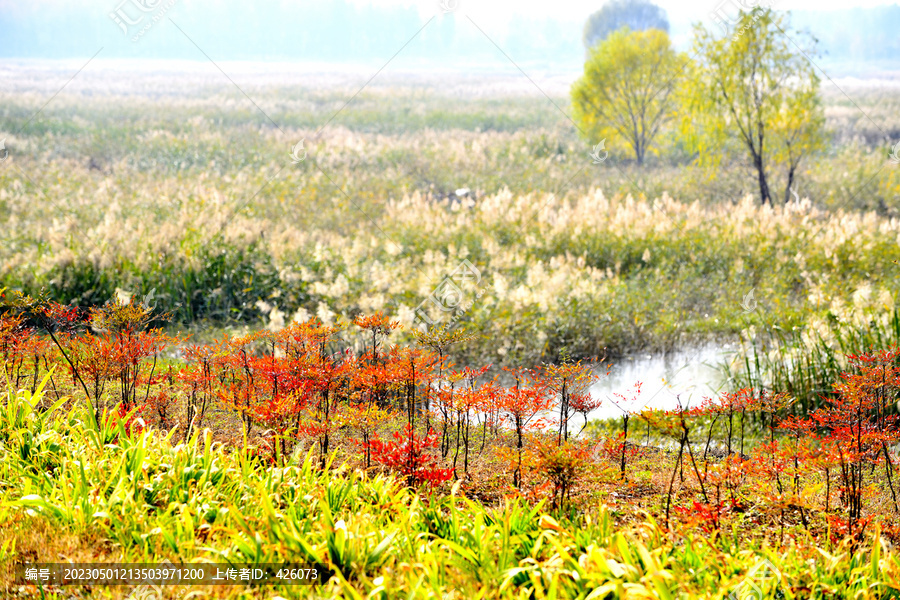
[628, 90]
[756, 91]
[637, 15]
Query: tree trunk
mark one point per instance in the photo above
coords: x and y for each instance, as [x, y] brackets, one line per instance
[764, 195]
[672, 480]
[790, 184]
[517, 476]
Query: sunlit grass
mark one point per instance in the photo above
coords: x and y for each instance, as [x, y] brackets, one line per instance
[89, 490]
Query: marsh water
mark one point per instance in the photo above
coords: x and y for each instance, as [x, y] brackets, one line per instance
[687, 375]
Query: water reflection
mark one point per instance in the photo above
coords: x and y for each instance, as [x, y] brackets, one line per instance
[692, 374]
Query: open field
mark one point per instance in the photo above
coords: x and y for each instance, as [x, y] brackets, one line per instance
[196, 197]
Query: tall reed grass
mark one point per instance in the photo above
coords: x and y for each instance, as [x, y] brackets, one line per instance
[806, 362]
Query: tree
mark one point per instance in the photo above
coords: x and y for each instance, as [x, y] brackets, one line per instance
[520, 405]
[468, 400]
[564, 382]
[625, 405]
[439, 340]
[412, 368]
[858, 428]
[118, 347]
[757, 88]
[627, 90]
[637, 15]
[376, 325]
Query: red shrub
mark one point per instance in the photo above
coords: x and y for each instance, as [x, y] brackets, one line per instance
[408, 455]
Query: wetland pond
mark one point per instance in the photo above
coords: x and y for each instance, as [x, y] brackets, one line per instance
[690, 374]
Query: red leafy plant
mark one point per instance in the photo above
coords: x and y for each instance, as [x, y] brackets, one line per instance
[563, 465]
[408, 455]
[701, 514]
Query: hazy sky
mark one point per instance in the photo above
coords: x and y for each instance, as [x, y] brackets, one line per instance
[577, 9]
[682, 14]
[502, 10]
[349, 30]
